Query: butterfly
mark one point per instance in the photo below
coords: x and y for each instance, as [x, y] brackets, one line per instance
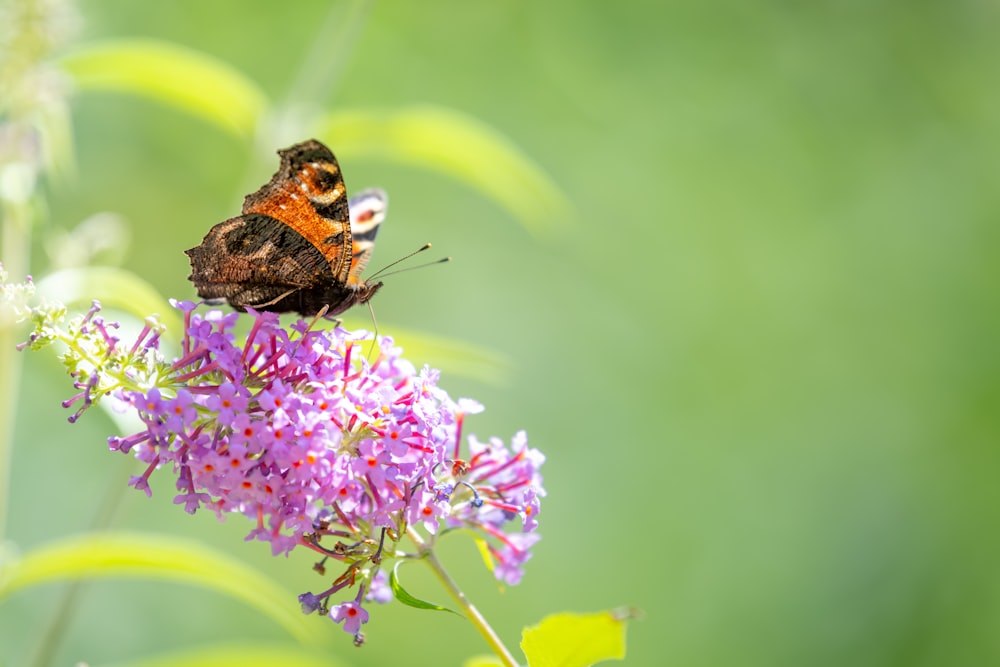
[300, 244]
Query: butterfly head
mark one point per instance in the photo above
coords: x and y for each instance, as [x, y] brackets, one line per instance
[366, 291]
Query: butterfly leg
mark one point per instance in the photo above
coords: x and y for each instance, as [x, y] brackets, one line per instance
[259, 306]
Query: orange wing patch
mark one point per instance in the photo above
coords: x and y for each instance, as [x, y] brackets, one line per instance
[308, 194]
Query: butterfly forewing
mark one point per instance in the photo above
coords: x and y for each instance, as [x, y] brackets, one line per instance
[308, 194]
[293, 247]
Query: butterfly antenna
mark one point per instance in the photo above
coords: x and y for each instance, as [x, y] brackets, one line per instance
[418, 266]
[381, 273]
[426, 246]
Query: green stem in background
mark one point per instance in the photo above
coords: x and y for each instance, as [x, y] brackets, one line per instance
[329, 54]
[30, 104]
[15, 241]
[318, 75]
[50, 637]
[463, 602]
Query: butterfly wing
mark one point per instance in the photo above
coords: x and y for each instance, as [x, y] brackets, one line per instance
[307, 193]
[253, 259]
[367, 209]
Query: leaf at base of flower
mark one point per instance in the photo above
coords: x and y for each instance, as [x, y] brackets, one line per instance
[404, 596]
[484, 552]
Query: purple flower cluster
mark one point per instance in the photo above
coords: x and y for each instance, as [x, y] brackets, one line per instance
[304, 435]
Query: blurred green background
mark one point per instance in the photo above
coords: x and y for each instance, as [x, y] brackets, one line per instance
[760, 353]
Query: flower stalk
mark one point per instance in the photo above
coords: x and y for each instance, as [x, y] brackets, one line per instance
[471, 612]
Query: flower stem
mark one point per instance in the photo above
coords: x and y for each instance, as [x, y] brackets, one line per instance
[309, 95]
[329, 54]
[29, 108]
[456, 593]
[14, 226]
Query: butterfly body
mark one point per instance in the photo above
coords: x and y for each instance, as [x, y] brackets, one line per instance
[299, 244]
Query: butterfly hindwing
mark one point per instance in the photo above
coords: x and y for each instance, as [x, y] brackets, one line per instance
[261, 253]
[367, 213]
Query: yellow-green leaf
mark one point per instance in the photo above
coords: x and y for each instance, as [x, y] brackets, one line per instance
[452, 356]
[237, 655]
[114, 288]
[484, 552]
[458, 145]
[482, 661]
[135, 555]
[575, 640]
[187, 79]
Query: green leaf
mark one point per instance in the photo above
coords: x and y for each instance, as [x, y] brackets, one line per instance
[484, 552]
[576, 640]
[187, 79]
[237, 655]
[403, 596]
[135, 555]
[453, 356]
[482, 661]
[114, 288]
[459, 146]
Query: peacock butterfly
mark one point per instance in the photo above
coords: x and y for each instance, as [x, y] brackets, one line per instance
[299, 245]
